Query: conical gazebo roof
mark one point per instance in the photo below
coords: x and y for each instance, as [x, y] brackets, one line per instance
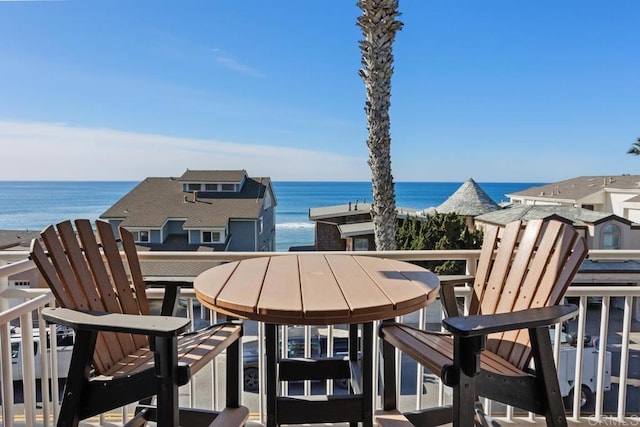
[468, 200]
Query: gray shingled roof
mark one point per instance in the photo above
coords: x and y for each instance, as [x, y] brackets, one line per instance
[213, 176]
[578, 216]
[469, 199]
[575, 189]
[155, 200]
[354, 209]
[17, 239]
[339, 210]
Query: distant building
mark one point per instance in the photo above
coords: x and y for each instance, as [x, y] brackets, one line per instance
[19, 240]
[352, 219]
[616, 194]
[350, 227]
[202, 210]
[469, 200]
[602, 230]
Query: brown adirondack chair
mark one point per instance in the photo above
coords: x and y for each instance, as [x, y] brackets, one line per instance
[522, 275]
[122, 354]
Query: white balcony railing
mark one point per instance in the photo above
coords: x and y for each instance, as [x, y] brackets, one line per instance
[612, 319]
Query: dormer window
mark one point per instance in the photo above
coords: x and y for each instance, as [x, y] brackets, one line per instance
[141, 236]
[211, 237]
[211, 187]
[611, 236]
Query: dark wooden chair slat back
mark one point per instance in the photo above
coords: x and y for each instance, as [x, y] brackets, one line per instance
[105, 285]
[84, 277]
[119, 285]
[84, 286]
[127, 293]
[520, 268]
[135, 272]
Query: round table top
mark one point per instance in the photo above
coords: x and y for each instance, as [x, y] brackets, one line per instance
[316, 289]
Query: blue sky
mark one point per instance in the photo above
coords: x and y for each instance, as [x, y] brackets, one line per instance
[496, 90]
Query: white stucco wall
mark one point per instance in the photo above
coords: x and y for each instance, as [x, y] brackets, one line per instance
[614, 203]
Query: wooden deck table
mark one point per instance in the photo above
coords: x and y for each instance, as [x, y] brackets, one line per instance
[318, 289]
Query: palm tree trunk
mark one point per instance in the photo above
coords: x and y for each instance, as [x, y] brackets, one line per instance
[379, 27]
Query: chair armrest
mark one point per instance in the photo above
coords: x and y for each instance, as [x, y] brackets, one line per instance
[117, 322]
[448, 293]
[455, 279]
[469, 326]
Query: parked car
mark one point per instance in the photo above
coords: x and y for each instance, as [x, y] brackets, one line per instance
[295, 348]
[65, 347]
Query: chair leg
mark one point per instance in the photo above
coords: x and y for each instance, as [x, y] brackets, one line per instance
[166, 362]
[77, 377]
[233, 375]
[466, 359]
[271, 339]
[547, 376]
[388, 374]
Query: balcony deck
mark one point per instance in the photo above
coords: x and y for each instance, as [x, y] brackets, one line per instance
[604, 293]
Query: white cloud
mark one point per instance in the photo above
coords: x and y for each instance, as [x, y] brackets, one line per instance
[44, 151]
[234, 65]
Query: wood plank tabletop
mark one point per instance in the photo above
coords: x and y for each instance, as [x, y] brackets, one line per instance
[316, 289]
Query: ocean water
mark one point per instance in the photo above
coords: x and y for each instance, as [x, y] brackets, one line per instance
[32, 205]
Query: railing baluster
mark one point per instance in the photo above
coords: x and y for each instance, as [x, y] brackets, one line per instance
[624, 357]
[577, 382]
[7, 376]
[602, 353]
[46, 355]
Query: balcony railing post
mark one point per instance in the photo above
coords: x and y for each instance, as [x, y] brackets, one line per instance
[7, 376]
[602, 353]
[624, 357]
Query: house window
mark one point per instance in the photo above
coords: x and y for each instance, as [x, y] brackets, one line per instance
[590, 207]
[141, 236]
[211, 187]
[360, 244]
[210, 236]
[228, 187]
[610, 236]
[193, 187]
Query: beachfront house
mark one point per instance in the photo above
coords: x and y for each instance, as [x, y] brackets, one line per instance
[602, 230]
[202, 210]
[606, 207]
[17, 241]
[348, 227]
[616, 194]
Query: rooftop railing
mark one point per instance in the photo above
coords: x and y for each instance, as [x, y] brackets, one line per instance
[608, 310]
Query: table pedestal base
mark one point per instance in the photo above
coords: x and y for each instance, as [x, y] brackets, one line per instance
[354, 408]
